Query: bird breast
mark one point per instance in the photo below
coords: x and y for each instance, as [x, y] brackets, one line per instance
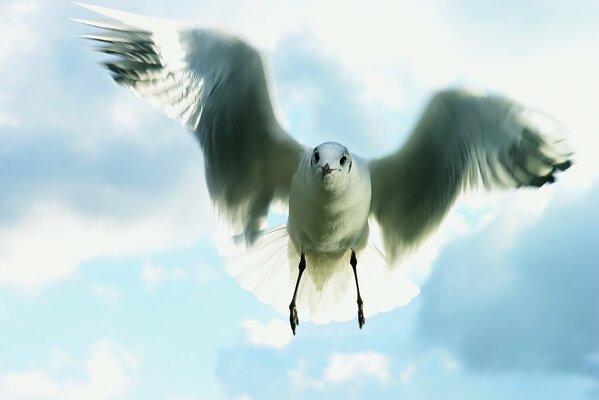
[329, 222]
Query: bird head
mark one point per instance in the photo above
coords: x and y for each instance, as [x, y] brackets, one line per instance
[331, 165]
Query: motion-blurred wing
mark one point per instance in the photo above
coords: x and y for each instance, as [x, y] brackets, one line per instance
[461, 141]
[214, 84]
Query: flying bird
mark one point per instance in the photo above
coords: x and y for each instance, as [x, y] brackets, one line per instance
[321, 263]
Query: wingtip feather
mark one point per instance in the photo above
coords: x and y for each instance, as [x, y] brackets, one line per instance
[109, 24]
[132, 20]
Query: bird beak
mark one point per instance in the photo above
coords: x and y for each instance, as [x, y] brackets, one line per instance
[326, 170]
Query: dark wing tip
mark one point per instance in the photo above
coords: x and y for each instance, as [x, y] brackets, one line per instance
[564, 165]
[539, 181]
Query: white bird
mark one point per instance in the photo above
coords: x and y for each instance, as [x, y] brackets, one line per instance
[215, 84]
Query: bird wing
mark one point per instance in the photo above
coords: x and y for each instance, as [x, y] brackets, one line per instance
[215, 85]
[462, 141]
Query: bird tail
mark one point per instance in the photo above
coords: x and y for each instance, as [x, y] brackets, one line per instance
[269, 269]
[262, 267]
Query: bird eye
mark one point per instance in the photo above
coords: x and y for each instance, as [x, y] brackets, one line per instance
[343, 160]
[316, 156]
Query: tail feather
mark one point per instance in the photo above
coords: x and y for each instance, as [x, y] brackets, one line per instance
[327, 291]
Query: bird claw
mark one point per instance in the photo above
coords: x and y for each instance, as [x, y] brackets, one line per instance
[293, 320]
[361, 319]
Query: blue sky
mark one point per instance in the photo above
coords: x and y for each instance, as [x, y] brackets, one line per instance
[110, 284]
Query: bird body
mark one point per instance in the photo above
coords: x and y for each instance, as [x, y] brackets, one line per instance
[215, 85]
[329, 213]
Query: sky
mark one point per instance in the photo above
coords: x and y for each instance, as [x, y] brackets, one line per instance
[110, 283]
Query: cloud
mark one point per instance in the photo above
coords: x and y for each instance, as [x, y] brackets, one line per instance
[257, 371]
[109, 368]
[383, 54]
[4, 312]
[59, 360]
[152, 275]
[87, 169]
[354, 366]
[28, 385]
[275, 333]
[323, 102]
[407, 373]
[28, 39]
[344, 368]
[51, 240]
[206, 273]
[520, 300]
[311, 365]
[185, 397]
[299, 378]
[107, 293]
[9, 120]
[18, 37]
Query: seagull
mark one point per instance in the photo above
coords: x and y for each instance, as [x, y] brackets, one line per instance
[215, 84]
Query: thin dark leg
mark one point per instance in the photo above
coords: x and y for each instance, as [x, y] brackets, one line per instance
[293, 320]
[354, 263]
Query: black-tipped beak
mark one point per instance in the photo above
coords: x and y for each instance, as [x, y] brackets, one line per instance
[326, 170]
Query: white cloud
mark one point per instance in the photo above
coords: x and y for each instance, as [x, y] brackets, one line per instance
[185, 397]
[9, 120]
[300, 379]
[345, 367]
[153, 275]
[21, 39]
[263, 29]
[524, 278]
[29, 385]
[512, 212]
[125, 118]
[4, 313]
[407, 373]
[108, 367]
[106, 293]
[127, 112]
[275, 333]
[205, 273]
[59, 360]
[18, 37]
[449, 361]
[51, 240]
[381, 48]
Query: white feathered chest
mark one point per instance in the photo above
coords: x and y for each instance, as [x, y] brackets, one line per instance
[329, 221]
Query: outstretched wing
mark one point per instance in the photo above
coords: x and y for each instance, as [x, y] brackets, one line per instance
[460, 142]
[215, 85]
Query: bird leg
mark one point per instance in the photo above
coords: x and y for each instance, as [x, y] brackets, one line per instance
[354, 262]
[293, 320]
